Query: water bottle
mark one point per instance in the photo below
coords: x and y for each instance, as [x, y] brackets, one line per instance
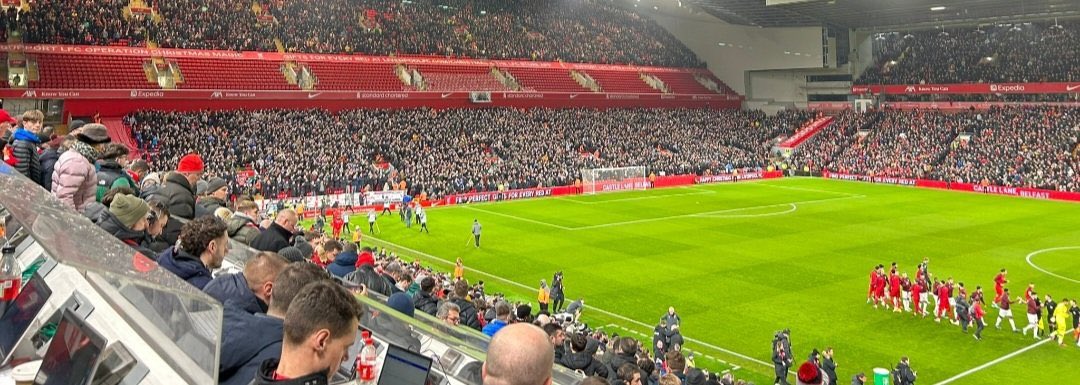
[366, 371]
[10, 277]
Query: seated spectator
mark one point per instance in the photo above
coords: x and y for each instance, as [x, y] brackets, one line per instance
[344, 262]
[320, 326]
[74, 182]
[292, 254]
[279, 235]
[449, 313]
[203, 246]
[250, 289]
[217, 191]
[127, 220]
[468, 312]
[256, 338]
[242, 226]
[502, 318]
[156, 220]
[558, 338]
[519, 355]
[327, 253]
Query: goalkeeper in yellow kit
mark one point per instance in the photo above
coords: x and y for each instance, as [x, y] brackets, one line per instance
[1061, 315]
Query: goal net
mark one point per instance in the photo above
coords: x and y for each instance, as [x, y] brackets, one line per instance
[599, 180]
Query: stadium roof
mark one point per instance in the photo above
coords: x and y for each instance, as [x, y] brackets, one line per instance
[880, 13]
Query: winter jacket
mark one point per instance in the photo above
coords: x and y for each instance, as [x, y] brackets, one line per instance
[185, 266]
[583, 361]
[242, 228]
[904, 375]
[266, 376]
[344, 263]
[74, 180]
[24, 146]
[426, 303]
[234, 288]
[468, 313]
[251, 339]
[179, 196]
[138, 240]
[828, 365]
[211, 204]
[48, 160]
[111, 175]
[494, 327]
[374, 282]
[273, 239]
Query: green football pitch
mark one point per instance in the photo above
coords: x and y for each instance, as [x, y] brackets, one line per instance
[740, 261]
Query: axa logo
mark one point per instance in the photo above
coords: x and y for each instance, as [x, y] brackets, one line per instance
[30, 94]
[216, 95]
[909, 89]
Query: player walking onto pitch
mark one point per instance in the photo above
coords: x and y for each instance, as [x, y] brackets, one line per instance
[999, 285]
[1060, 318]
[1033, 310]
[476, 231]
[1004, 305]
[371, 221]
[421, 215]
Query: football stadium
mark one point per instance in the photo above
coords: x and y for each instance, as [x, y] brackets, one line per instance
[540, 192]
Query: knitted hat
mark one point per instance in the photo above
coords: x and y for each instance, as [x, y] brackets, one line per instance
[365, 258]
[75, 125]
[306, 250]
[695, 377]
[402, 303]
[200, 187]
[808, 374]
[94, 133]
[292, 254]
[151, 179]
[190, 163]
[6, 118]
[129, 209]
[215, 184]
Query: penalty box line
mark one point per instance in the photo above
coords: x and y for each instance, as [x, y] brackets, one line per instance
[594, 308]
[997, 361]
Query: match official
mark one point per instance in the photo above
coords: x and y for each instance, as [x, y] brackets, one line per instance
[476, 231]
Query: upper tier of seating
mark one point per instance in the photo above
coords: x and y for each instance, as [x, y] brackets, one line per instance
[544, 79]
[356, 76]
[1020, 53]
[564, 30]
[90, 72]
[236, 74]
[621, 81]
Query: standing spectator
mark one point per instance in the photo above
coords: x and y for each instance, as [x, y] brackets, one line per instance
[543, 296]
[254, 338]
[468, 310]
[903, 374]
[557, 335]
[325, 254]
[217, 191]
[111, 173]
[280, 233]
[581, 357]
[520, 355]
[158, 217]
[828, 365]
[137, 170]
[74, 182]
[178, 194]
[203, 245]
[24, 146]
[344, 262]
[48, 159]
[242, 226]
[249, 289]
[320, 326]
[557, 295]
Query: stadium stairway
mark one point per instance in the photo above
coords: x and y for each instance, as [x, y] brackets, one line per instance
[807, 131]
[121, 133]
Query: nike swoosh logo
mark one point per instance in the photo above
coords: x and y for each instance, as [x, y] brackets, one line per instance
[314, 95]
[446, 95]
[573, 96]
[1072, 88]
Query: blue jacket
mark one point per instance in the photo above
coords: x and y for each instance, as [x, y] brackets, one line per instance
[185, 266]
[234, 288]
[344, 264]
[494, 327]
[249, 340]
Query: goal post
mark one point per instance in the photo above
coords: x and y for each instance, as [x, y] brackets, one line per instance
[598, 180]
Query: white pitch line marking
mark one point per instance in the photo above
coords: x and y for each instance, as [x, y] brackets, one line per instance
[580, 202]
[518, 218]
[995, 362]
[788, 211]
[647, 220]
[1037, 252]
[599, 310]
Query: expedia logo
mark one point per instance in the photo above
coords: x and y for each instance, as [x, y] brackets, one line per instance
[1007, 88]
[147, 94]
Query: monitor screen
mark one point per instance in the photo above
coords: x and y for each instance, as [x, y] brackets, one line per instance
[73, 353]
[403, 367]
[20, 313]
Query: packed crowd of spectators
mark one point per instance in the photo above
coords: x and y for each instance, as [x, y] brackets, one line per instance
[1016, 53]
[823, 148]
[902, 143]
[567, 30]
[452, 151]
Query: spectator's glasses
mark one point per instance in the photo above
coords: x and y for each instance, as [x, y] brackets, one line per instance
[151, 217]
[453, 319]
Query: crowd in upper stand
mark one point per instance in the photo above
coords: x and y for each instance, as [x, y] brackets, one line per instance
[567, 30]
[453, 151]
[1011, 53]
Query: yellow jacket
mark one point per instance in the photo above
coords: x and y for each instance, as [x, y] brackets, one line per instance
[1061, 314]
[543, 296]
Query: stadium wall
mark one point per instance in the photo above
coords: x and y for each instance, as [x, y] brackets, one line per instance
[744, 48]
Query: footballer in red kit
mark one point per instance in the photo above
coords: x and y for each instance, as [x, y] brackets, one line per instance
[999, 285]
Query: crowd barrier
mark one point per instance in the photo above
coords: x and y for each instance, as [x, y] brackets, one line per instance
[1022, 192]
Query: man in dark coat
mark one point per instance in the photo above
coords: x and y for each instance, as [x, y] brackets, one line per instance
[828, 365]
[782, 357]
[111, 170]
[126, 219]
[255, 338]
[903, 374]
[580, 357]
[366, 275]
[217, 191]
[178, 194]
[280, 233]
[468, 309]
[345, 262]
[204, 243]
[48, 160]
[24, 144]
[424, 301]
[251, 288]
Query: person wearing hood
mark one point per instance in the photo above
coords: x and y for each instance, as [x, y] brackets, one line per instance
[242, 226]
[203, 246]
[345, 262]
[111, 173]
[127, 220]
[178, 194]
[366, 275]
[254, 338]
[251, 288]
[279, 235]
[24, 144]
[217, 191]
[74, 180]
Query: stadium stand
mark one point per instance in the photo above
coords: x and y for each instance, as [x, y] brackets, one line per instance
[87, 72]
[231, 74]
[537, 79]
[356, 76]
[1019, 53]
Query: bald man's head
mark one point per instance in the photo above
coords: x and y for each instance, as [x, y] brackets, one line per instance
[287, 218]
[520, 354]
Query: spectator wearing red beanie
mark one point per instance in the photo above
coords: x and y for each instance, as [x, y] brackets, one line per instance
[178, 193]
[808, 374]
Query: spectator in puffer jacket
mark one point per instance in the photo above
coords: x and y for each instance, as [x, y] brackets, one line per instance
[178, 194]
[74, 182]
[345, 262]
[468, 310]
[366, 275]
[425, 300]
[581, 358]
[250, 289]
[126, 220]
[203, 245]
[242, 225]
[24, 145]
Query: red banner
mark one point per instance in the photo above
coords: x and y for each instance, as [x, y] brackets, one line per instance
[973, 88]
[304, 57]
[494, 196]
[943, 106]
[750, 175]
[1023, 192]
[339, 95]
